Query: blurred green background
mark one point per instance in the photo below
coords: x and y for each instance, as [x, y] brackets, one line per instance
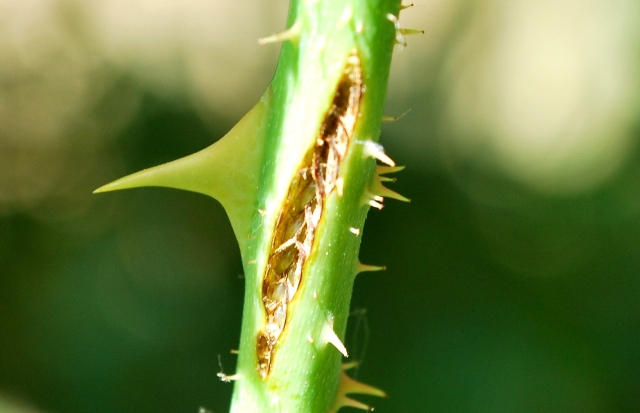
[513, 278]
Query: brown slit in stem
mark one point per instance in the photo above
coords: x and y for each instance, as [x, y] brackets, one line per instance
[296, 224]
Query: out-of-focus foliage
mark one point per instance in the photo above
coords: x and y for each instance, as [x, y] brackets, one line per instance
[513, 277]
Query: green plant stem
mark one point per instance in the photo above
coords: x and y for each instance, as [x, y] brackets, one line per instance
[306, 371]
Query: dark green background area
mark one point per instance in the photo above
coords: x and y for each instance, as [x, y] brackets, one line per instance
[497, 297]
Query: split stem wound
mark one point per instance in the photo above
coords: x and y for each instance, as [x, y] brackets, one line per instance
[294, 234]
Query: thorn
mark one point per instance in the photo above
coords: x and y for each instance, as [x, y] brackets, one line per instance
[383, 170]
[376, 150]
[381, 190]
[218, 169]
[262, 212]
[251, 262]
[330, 336]
[234, 351]
[386, 179]
[355, 231]
[400, 32]
[351, 386]
[292, 33]
[411, 31]
[335, 340]
[360, 267]
[376, 204]
[406, 6]
[310, 339]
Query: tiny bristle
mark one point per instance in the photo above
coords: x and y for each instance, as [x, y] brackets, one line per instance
[330, 336]
[375, 150]
[383, 169]
[376, 204]
[394, 118]
[360, 267]
[410, 31]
